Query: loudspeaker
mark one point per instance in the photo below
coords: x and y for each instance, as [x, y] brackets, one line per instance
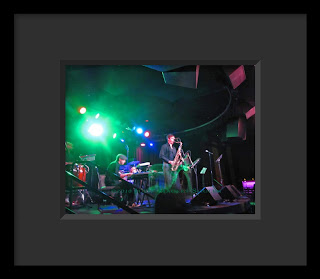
[170, 202]
[185, 77]
[237, 129]
[236, 75]
[229, 192]
[208, 195]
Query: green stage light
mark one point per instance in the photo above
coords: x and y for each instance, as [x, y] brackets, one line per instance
[95, 130]
[114, 135]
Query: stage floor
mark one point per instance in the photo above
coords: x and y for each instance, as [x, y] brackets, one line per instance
[242, 205]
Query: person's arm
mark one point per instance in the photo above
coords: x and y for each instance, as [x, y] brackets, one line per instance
[162, 154]
[123, 175]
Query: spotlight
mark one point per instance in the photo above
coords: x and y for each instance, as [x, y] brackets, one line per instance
[143, 144]
[139, 131]
[95, 130]
[122, 140]
[114, 135]
[97, 115]
[147, 134]
[151, 144]
[82, 110]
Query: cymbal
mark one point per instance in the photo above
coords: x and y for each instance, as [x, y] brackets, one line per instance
[133, 163]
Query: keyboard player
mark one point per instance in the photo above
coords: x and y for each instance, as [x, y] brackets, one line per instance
[127, 195]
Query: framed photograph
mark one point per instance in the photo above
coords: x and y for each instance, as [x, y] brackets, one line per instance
[100, 99]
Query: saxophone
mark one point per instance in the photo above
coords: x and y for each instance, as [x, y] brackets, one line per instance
[178, 159]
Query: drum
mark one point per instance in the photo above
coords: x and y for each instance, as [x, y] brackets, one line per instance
[80, 171]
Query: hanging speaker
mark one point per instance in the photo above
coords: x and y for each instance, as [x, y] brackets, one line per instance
[208, 195]
[185, 77]
[237, 128]
[236, 75]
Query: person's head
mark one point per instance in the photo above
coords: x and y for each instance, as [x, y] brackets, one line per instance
[68, 145]
[121, 159]
[170, 138]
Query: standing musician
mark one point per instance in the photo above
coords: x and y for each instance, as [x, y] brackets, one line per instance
[167, 155]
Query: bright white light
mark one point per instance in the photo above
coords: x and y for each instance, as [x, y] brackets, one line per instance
[139, 131]
[95, 130]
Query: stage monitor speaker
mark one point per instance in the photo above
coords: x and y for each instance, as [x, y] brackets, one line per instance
[208, 195]
[185, 77]
[166, 203]
[229, 192]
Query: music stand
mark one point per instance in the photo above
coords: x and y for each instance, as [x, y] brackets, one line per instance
[194, 167]
[203, 172]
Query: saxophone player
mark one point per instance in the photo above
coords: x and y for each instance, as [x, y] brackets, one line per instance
[167, 155]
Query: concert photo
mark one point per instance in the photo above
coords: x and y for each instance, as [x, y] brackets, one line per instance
[159, 139]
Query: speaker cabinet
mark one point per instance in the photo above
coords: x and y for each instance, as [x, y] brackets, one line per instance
[167, 203]
[208, 195]
[229, 192]
[185, 77]
[236, 75]
[237, 129]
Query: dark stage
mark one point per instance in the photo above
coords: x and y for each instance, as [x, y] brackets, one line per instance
[85, 199]
[131, 111]
[243, 205]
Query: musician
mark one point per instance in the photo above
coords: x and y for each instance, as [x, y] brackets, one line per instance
[69, 153]
[69, 159]
[114, 168]
[167, 155]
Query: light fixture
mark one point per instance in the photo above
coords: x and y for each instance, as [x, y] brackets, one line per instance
[82, 110]
[147, 134]
[95, 130]
[139, 130]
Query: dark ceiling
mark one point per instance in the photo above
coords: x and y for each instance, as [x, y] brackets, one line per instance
[162, 98]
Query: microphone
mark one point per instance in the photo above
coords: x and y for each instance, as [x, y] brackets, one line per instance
[218, 160]
[208, 152]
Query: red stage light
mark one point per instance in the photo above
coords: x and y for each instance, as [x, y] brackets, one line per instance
[147, 134]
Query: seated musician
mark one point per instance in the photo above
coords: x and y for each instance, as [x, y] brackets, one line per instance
[123, 193]
[114, 166]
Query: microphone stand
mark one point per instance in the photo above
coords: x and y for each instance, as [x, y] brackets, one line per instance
[127, 147]
[218, 161]
[210, 153]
